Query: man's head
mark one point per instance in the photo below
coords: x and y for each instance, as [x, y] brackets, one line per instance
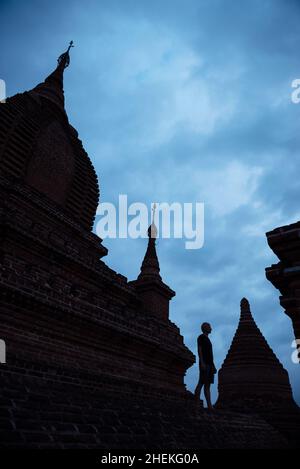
[206, 328]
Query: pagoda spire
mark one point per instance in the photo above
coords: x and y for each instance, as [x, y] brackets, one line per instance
[150, 264]
[154, 294]
[52, 88]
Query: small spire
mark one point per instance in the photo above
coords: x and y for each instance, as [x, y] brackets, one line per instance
[150, 265]
[52, 87]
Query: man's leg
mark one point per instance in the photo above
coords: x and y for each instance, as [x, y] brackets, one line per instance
[207, 395]
[198, 389]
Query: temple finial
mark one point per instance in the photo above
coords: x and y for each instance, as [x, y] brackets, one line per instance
[52, 87]
[65, 57]
[153, 213]
[152, 230]
[70, 45]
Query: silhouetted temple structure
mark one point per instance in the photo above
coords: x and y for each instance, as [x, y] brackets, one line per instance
[93, 361]
[251, 372]
[253, 380]
[285, 242]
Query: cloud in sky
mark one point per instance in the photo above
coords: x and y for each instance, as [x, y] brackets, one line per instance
[183, 101]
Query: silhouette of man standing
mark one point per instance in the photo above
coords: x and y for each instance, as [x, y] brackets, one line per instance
[207, 368]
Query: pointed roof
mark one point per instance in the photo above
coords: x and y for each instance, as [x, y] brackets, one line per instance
[52, 88]
[251, 369]
[150, 265]
[249, 345]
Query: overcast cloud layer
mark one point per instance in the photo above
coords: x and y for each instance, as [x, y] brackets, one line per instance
[183, 101]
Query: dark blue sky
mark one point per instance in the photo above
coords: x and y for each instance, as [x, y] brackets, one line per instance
[183, 101]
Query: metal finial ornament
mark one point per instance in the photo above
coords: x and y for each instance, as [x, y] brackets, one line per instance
[153, 230]
[65, 57]
[153, 210]
[70, 45]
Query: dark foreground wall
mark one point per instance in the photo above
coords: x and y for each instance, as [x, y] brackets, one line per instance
[48, 412]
